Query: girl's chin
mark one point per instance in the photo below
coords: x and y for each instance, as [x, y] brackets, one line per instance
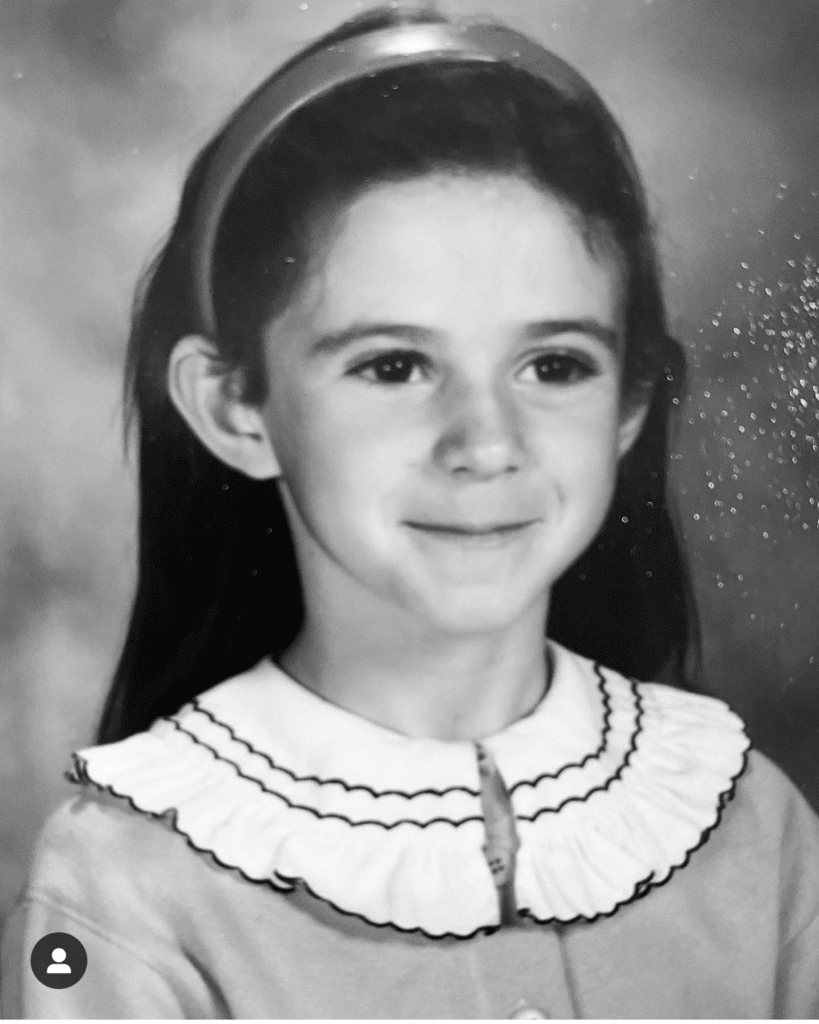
[481, 610]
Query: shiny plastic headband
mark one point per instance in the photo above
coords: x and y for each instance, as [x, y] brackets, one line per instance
[336, 65]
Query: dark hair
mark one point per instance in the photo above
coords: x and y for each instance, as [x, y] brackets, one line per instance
[218, 584]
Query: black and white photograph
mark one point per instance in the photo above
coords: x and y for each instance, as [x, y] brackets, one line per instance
[409, 509]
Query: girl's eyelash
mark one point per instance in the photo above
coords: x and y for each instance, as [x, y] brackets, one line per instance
[398, 365]
[566, 367]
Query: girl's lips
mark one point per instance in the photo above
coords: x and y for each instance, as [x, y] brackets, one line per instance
[494, 535]
[460, 530]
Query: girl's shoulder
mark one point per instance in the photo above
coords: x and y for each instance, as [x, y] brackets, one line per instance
[101, 858]
[762, 809]
[128, 889]
[766, 793]
[770, 814]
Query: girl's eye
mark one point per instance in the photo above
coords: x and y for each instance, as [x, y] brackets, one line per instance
[393, 368]
[558, 368]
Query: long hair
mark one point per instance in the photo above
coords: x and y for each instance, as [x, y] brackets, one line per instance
[218, 586]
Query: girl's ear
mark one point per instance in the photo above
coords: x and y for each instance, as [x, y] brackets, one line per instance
[632, 419]
[209, 400]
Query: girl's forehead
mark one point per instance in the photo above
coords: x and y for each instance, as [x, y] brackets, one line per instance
[454, 209]
[493, 245]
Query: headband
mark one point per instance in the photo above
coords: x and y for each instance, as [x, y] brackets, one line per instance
[335, 65]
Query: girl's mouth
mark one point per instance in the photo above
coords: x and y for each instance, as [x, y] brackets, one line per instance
[473, 535]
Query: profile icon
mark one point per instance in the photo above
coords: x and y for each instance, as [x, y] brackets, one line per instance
[58, 960]
[59, 966]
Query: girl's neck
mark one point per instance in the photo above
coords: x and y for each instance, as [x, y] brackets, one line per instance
[444, 687]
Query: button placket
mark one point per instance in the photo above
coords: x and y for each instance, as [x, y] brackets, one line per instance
[502, 841]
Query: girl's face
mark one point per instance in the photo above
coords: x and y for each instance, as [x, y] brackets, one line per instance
[444, 402]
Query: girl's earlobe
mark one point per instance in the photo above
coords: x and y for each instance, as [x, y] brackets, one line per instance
[209, 399]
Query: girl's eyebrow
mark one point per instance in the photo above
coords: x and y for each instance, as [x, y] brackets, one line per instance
[542, 329]
[332, 342]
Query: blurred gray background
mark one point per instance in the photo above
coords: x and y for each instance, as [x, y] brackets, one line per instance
[102, 106]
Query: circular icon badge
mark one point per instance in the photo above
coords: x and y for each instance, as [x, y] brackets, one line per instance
[59, 960]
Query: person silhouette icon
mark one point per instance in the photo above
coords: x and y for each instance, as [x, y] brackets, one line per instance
[50, 958]
[59, 967]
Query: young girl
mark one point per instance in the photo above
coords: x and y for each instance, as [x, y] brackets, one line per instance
[403, 384]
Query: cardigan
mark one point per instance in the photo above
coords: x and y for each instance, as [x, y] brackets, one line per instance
[220, 865]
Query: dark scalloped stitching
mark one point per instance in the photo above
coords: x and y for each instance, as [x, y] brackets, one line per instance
[488, 929]
[409, 821]
[80, 776]
[632, 747]
[646, 886]
[311, 810]
[350, 788]
[595, 754]
[405, 821]
[641, 888]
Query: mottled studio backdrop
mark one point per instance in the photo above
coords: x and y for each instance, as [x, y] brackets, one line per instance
[102, 106]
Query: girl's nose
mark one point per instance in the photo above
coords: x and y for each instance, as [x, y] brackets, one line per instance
[482, 437]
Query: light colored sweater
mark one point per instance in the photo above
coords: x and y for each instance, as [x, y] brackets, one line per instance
[732, 932]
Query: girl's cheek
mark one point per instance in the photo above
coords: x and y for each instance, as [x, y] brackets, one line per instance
[587, 432]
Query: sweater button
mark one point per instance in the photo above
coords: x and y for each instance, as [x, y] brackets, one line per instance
[523, 1011]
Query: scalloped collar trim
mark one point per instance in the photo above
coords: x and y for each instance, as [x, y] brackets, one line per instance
[613, 784]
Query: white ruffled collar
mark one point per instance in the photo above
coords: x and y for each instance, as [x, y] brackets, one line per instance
[613, 785]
